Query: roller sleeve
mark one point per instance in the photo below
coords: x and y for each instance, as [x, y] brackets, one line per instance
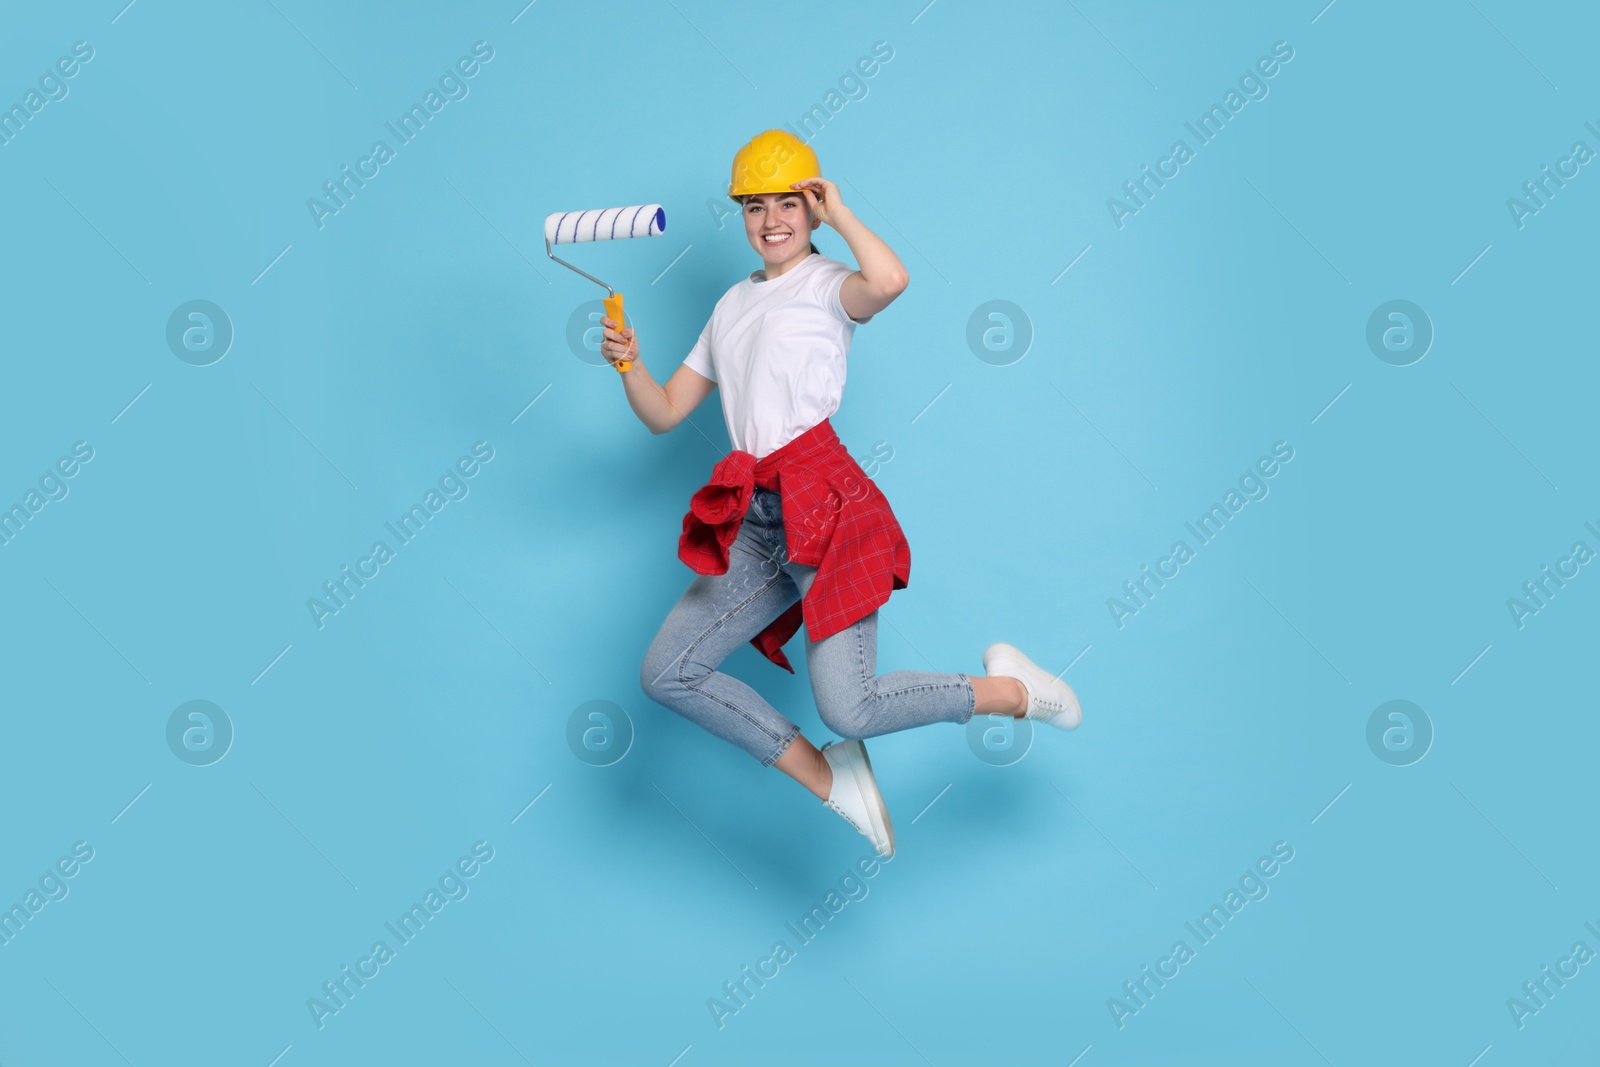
[604, 224]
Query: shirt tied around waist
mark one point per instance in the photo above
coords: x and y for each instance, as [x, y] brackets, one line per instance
[834, 518]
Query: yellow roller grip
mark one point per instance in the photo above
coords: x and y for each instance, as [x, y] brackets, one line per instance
[613, 306]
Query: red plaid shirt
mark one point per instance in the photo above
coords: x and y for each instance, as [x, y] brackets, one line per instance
[834, 519]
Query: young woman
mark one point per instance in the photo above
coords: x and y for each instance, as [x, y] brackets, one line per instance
[790, 528]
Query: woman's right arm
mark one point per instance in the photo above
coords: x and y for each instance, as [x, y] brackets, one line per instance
[659, 408]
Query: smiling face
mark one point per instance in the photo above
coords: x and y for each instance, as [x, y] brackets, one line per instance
[785, 217]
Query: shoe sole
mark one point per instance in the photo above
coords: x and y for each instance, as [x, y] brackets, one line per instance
[1005, 655]
[877, 810]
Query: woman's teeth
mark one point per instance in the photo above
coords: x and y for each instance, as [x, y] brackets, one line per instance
[775, 239]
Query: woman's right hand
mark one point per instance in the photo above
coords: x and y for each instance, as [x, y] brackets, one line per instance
[617, 346]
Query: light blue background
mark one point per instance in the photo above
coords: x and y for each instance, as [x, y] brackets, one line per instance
[1224, 717]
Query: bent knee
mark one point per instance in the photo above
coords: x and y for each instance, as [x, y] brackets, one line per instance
[655, 673]
[662, 673]
[849, 721]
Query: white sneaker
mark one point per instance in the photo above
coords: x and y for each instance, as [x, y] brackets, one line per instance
[1049, 699]
[855, 794]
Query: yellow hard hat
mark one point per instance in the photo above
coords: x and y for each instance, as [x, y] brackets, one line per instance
[770, 163]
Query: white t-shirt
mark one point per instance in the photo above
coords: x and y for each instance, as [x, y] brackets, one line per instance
[776, 350]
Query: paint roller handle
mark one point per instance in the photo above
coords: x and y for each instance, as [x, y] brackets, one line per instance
[618, 336]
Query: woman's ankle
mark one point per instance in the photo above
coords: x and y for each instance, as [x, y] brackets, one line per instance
[999, 695]
[806, 764]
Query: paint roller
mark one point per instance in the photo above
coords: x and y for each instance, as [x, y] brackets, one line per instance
[605, 224]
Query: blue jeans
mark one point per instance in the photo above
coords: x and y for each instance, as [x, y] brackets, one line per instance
[718, 613]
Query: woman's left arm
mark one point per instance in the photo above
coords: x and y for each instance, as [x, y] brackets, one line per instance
[882, 276]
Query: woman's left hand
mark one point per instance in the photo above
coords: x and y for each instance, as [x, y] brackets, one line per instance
[822, 195]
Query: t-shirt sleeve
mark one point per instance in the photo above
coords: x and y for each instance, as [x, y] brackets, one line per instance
[830, 284]
[699, 357]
